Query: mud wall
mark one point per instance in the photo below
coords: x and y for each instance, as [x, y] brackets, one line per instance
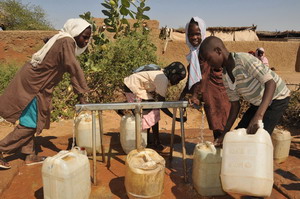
[281, 55]
[16, 47]
[284, 56]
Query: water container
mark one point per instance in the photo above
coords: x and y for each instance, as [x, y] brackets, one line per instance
[144, 174]
[66, 176]
[84, 134]
[247, 163]
[206, 170]
[127, 134]
[281, 141]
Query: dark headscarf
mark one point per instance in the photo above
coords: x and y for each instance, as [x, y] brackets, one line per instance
[175, 68]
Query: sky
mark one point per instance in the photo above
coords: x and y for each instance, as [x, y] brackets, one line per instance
[268, 15]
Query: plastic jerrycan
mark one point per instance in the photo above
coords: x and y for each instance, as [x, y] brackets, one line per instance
[281, 141]
[84, 134]
[127, 134]
[66, 176]
[247, 163]
[206, 169]
[144, 174]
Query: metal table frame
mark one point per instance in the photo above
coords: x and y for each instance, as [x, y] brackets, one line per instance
[138, 107]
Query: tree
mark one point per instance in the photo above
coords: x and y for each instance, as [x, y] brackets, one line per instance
[109, 59]
[16, 16]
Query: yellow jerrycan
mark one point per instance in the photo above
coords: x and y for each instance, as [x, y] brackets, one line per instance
[281, 142]
[144, 174]
[206, 169]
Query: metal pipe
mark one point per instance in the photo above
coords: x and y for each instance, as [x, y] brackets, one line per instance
[101, 135]
[172, 133]
[94, 147]
[120, 106]
[183, 144]
[138, 136]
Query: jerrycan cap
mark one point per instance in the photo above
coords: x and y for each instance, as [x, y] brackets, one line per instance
[260, 124]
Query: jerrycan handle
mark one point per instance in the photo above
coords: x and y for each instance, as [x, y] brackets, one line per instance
[70, 153]
[260, 124]
[211, 146]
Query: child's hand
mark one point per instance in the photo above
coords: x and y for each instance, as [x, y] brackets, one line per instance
[81, 99]
[194, 100]
[252, 127]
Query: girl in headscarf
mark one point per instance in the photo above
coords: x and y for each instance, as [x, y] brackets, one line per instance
[204, 81]
[151, 85]
[28, 96]
[260, 54]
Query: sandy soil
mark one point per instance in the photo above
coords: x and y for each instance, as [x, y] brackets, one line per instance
[27, 180]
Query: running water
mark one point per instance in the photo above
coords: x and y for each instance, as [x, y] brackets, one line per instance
[202, 123]
[76, 114]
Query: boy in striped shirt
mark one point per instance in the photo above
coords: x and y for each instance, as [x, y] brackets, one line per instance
[247, 77]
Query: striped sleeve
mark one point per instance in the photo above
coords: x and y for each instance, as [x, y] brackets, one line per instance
[256, 68]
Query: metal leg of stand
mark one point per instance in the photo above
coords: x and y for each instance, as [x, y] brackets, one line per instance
[94, 148]
[172, 133]
[183, 144]
[101, 135]
[138, 135]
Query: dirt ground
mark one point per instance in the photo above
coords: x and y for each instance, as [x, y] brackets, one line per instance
[23, 181]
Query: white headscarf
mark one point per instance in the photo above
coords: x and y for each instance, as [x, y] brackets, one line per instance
[195, 72]
[72, 28]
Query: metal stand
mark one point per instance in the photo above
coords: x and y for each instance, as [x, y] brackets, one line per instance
[138, 112]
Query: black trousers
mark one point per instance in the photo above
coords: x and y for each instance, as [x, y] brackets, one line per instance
[271, 117]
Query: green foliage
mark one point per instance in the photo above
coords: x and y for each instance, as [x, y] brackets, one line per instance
[116, 12]
[108, 61]
[105, 74]
[16, 16]
[291, 117]
[6, 74]
[64, 100]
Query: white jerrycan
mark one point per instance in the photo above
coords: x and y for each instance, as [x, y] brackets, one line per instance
[84, 134]
[247, 163]
[66, 176]
[206, 169]
[281, 141]
[144, 174]
[127, 134]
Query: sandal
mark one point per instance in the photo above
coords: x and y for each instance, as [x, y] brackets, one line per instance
[4, 164]
[161, 149]
[34, 159]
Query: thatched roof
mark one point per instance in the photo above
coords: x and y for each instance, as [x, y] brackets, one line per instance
[231, 29]
[224, 29]
[284, 34]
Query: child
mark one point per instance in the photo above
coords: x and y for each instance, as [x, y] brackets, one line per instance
[144, 85]
[246, 76]
[205, 80]
[260, 54]
[28, 96]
